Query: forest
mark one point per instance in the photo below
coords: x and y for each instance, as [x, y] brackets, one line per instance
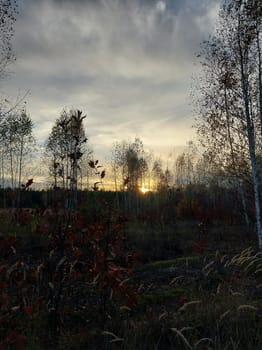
[138, 253]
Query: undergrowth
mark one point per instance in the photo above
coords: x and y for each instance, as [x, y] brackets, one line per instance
[70, 280]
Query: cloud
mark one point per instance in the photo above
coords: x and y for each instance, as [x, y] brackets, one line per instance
[127, 64]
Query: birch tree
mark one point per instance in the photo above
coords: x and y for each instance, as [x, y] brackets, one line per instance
[184, 165]
[234, 115]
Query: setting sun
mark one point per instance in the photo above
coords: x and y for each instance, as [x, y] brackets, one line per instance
[144, 190]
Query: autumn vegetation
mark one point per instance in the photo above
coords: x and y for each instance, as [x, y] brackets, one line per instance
[168, 257]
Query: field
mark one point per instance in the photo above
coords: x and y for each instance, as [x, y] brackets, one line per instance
[127, 272]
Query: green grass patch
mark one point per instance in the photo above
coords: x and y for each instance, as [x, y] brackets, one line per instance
[163, 296]
[165, 264]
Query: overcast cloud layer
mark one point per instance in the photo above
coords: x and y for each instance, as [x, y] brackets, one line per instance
[126, 64]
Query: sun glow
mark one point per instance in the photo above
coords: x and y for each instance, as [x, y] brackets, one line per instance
[144, 190]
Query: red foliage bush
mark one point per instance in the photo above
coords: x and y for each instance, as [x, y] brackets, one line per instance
[78, 255]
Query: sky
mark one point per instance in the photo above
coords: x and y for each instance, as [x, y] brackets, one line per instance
[127, 64]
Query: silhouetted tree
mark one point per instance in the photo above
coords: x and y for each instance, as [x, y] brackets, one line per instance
[16, 148]
[16, 144]
[129, 161]
[65, 147]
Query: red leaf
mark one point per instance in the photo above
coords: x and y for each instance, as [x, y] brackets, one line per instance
[28, 309]
[11, 240]
[126, 181]
[29, 183]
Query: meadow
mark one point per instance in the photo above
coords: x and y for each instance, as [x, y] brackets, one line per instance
[175, 269]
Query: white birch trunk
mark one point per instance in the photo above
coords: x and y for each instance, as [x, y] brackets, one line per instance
[243, 54]
[239, 183]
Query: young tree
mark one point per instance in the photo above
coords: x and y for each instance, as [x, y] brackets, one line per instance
[65, 147]
[17, 142]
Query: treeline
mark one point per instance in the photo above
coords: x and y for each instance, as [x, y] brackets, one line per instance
[198, 203]
[72, 167]
[66, 156]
